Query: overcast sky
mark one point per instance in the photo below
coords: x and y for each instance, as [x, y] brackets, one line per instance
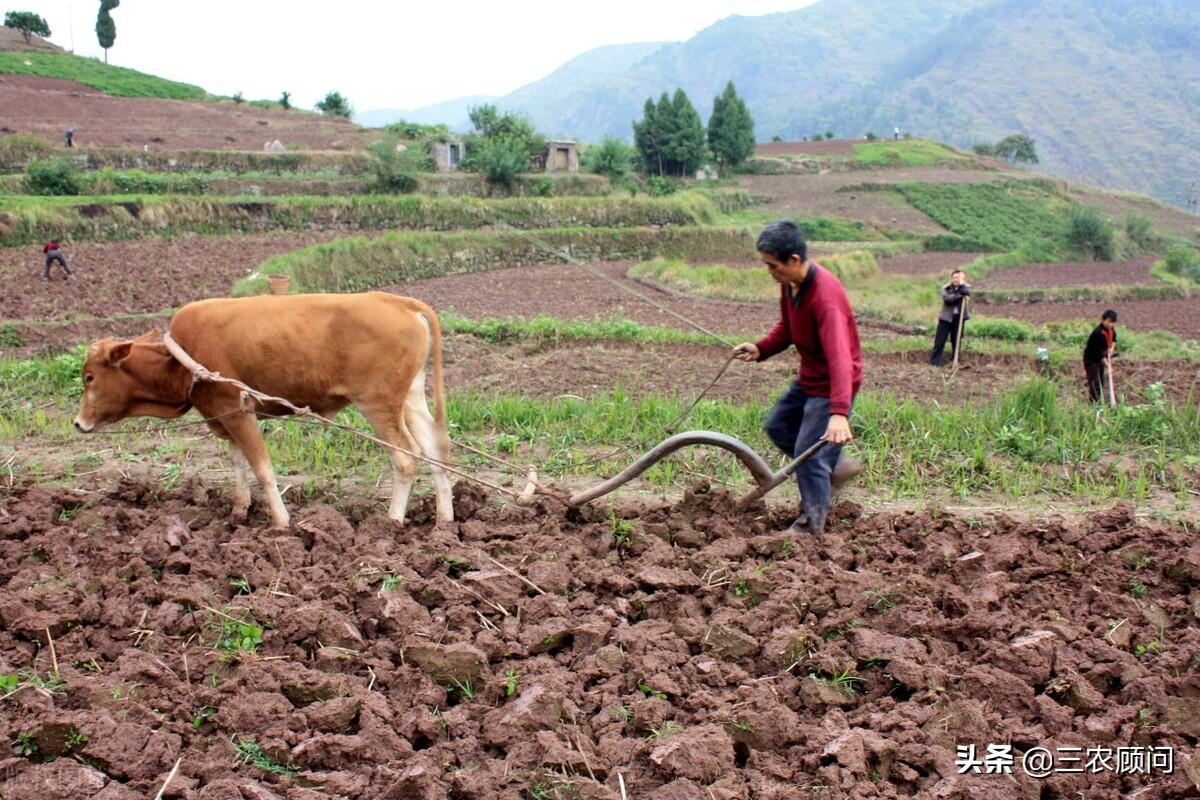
[379, 54]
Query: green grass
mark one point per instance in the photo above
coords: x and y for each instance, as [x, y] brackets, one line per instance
[29, 219]
[1037, 439]
[356, 264]
[720, 282]
[109, 79]
[908, 153]
[1001, 215]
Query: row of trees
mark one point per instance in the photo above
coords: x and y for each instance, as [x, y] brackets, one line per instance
[671, 140]
[31, 24]
[1017, 148]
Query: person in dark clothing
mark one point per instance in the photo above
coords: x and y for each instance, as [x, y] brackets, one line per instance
[69, 137]
[1101, 346]
[950, 315]
[815, 316]
[53, 252]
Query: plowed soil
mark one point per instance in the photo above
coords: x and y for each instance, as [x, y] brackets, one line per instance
[926, 265]
[1076, 273]
[686, 651]
[46, 107]
[1181, 317]
[136, 277]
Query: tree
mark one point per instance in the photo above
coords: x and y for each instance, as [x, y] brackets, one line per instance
[648, 135]
[334, 105]
[28, 23]
[1017, 148]
[106, 29]
[285, 100]
[685, 141]
[670, 136]
[611, 158]
[500, 143]
[730, 129]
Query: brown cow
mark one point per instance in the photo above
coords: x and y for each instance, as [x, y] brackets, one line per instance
[324, 351]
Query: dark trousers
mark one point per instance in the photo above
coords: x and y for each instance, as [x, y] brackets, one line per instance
[51, 257]
[946, 332]
[1095, 380]
[796, 423]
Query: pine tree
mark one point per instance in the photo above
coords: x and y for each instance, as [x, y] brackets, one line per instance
[730, 129]
[686, 150]
[106, 29]
[648, 136]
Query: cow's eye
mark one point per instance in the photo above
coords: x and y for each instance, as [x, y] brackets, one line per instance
[89, 378]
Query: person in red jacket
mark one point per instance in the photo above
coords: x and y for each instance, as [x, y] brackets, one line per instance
[815, 316]
[53, 252]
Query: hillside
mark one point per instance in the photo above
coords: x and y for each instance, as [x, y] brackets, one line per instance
[44, 91]
[1106, 87]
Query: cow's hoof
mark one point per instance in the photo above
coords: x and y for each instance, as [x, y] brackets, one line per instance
[239, 516]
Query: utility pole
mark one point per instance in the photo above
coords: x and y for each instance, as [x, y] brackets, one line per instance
[71, 25]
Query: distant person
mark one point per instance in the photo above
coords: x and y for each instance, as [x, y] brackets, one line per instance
[896, 132]
[815, 317]
[53, 252]
[1101, 346]
[950, 317]
[69, 137]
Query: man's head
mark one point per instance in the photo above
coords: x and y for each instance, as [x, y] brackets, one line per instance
[958, 278]
[782, 248]
[1109, 318]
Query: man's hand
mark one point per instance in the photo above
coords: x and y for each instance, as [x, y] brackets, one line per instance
[838, 431]
[746, 352]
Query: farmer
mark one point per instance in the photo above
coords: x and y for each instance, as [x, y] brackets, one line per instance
[53, 252]
[69, 137]
[1101, 346]
[950, 318]
[816, 317]
[896, 132]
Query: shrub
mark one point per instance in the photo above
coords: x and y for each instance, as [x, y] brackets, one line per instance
[500, 161]
[871, 136]
[396, 170]
[542, 187]
[52, 176]
[1091, 234]
[238, 97]
[18, 148]
[612, 158]
[334, 105]
[1140, 230]
[1184, 261]
[659, 187]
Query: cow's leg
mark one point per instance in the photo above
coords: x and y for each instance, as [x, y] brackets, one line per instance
[433, 441]
[389, 426]
[243, 430]
[241, 483]
[241, 471]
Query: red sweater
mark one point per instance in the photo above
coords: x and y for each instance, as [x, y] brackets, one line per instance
[50, 246]
[821, 325]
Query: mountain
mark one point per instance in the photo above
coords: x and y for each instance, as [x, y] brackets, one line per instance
[1107, 88]
[451, 112]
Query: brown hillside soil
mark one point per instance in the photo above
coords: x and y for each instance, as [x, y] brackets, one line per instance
[693, 659]
[138, 276]
[47, 107]
[1079, 273]
[926, 265]
[1181, 317]
[1166, 218]
[807, 196]
[11, 39]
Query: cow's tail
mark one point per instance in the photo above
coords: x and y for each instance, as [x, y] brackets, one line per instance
[435, 335]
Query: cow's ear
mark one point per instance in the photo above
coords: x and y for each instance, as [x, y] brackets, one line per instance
[119, 353]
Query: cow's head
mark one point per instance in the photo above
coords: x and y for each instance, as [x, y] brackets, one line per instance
[137, 378]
